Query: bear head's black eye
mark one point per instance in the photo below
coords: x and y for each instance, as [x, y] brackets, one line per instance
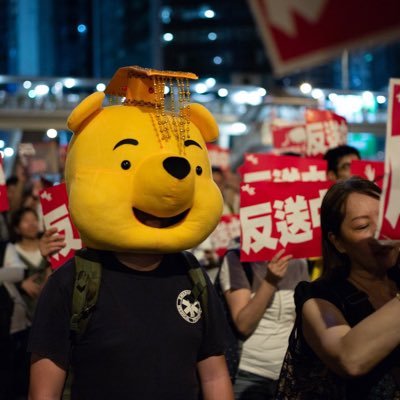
[199, 170]
[125, 164]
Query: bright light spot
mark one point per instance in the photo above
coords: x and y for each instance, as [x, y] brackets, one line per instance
[166, 15]
[368, 99]
[332, 97]
[212, 36]
[41, 90]
[166, 89]
[32, 94]
[253, 98]
[52, 133]
[210, 82]
[240, 97]
[2, 144]
[305, 88]
[8, 152]
[168, 37]
[81, 28]
[58, 86]
[217, 60]
[27, 84]
[381, 99]
[238, 128]
[209, 14]
[100, 87]
[261, 92]
[69, 83]
[200, 88]
[223, 92]
[317, 94]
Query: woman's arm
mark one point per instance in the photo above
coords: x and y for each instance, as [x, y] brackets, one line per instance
[214, 378]
[351, 351]
[46, 379]
[247, 311]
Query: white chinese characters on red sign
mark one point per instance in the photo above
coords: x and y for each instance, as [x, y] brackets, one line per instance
[276, 215]
[273, 168]
[3, 189]
[322, 131]
[371, 170]
[389, 213]
[54, 202]
[219, 157]
[227, 230]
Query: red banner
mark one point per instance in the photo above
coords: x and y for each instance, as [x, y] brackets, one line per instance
[54, 202]
[322, 131]
[371, 170]
[277, 215]
[219, 157]
[227, 230]
[3, 189]
[389, 213]
[273, 168]
[303, 33]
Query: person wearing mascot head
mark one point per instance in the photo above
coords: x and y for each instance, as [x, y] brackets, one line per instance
[140, 191]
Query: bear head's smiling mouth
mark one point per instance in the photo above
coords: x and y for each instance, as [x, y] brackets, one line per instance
[158, 222]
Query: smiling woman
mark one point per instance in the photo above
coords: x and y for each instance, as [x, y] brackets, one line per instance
[348, 321]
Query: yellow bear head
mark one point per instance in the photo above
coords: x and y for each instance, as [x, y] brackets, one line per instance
[129, 188]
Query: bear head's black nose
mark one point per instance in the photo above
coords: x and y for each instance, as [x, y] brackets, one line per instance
[178, 167]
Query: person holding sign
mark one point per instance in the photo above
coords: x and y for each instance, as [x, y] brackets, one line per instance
[260, 299]
[345, 343]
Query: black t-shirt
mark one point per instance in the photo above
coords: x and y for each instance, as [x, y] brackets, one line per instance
[142, 341]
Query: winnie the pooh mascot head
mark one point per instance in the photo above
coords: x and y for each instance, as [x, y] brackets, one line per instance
[138, 175]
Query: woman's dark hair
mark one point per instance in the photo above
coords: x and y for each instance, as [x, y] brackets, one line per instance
[16, 220]
[333, 211]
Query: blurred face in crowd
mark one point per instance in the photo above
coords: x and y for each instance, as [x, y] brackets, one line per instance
[219, 179]
[29, 226]
[343, 166]
[356, 238]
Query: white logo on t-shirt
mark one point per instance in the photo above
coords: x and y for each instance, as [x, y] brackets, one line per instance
[190, 311]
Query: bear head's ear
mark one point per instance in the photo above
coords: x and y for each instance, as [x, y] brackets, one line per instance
[204, 120]
[86, 108]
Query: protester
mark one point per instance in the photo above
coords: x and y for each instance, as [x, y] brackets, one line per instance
[137, 203]
[263, 313]
[339, 160]
[347, 332]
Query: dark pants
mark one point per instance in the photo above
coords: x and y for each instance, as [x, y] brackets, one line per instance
[249, 386]
[20, 365]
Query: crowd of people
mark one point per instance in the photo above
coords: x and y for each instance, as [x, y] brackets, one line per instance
[309, 329]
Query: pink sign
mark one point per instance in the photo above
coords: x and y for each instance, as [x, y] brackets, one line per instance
[219, 157]
[54, 202]
[3, 189]
[273, 168]
[277, 215]
[371, 170]
[389, 213]
[301, 33]
[227, 230]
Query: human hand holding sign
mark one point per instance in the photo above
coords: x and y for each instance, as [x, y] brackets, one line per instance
[277, 267]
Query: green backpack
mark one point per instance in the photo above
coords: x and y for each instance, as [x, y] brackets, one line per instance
[87, 284]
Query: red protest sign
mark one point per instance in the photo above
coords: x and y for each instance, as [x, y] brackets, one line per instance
[325, 130]
[302, 33]
[227, 230]
[277, 215]
[54, 201]
[3, 189]
[290, 138]
[389, 212]
[371, 170]
[219, 157]
[273, 168]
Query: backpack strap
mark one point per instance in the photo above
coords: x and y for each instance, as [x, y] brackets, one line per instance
[85, 292]
[196, 275]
